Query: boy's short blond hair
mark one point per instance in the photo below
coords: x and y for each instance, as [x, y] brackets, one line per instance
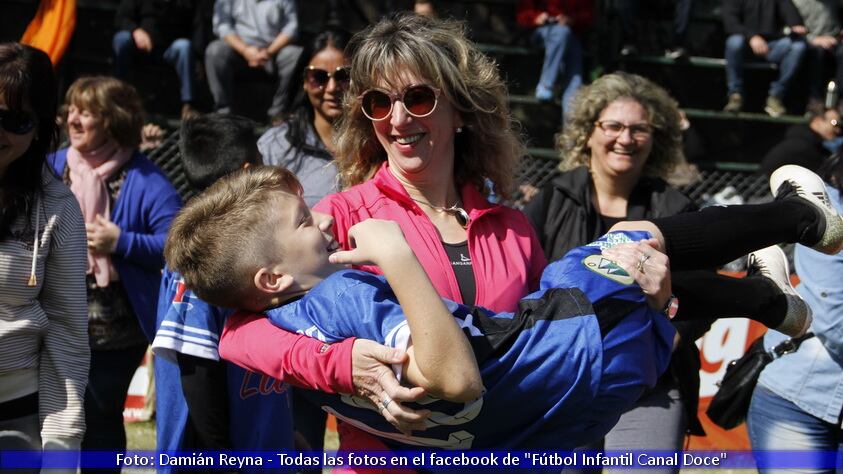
[221, 238]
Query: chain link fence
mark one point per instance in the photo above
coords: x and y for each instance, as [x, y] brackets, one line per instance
[722, 186]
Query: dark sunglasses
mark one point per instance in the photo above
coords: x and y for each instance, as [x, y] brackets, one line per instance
[419, 100]
[317, 78]
[18, 123]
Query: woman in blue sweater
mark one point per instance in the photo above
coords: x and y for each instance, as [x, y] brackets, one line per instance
[128, 205]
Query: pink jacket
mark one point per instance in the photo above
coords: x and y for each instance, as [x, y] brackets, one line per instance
[506, 256]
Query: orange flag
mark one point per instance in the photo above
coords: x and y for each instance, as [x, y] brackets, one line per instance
[52, 27]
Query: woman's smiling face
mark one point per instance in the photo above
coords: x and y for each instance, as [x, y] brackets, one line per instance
[417, 145]
[627, 152]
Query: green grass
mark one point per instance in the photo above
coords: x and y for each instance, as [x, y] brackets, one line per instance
[140, 436]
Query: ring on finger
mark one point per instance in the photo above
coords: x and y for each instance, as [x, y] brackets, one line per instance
[641, 261]
[385, 402]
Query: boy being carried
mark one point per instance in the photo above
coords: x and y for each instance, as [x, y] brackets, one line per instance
[575, 356]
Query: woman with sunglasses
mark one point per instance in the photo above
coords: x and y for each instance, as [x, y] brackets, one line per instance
[44, 352]
[426, 124]
[304, 142]
[128, 205]
[621, 142]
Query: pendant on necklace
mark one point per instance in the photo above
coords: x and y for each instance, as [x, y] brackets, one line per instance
[460, 214]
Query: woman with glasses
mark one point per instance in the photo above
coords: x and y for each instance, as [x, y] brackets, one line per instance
[44, 354]
[304, 142]
[622, 141]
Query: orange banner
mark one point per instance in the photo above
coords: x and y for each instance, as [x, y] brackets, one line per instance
[52, 28]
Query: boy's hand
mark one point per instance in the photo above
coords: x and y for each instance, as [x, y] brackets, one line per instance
[375, 381]
[374, 241]
[649, 267]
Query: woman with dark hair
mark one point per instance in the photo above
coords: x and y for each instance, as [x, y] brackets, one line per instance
[44, 353]
[304, 143]
[128, 205]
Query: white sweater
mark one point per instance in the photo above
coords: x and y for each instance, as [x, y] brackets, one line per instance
[44, 328]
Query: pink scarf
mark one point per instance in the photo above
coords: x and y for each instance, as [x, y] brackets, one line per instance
[89, 172]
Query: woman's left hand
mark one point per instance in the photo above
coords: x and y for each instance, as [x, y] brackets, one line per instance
[649, 267]
[102, 235]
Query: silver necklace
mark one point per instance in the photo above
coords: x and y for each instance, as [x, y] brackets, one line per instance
[459, 213]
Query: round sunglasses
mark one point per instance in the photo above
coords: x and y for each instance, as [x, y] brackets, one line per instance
[419, 100]
[19, 123]
[317, 78]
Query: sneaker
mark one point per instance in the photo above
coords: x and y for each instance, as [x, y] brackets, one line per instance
[771, 263]
[629, 50]
[677, 54]
[774, 107]
[793, 180]
[735, 103]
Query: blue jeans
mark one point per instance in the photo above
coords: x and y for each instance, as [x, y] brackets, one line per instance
[785, 52]
[178, 54]
[562, 60]
[775, 423]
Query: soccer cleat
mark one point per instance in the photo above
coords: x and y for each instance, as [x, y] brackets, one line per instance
[791, 180]
[771, 263]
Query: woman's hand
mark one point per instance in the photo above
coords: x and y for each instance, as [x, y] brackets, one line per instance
[374, 380]
[374, 241]
[102, 235]
[649, 267]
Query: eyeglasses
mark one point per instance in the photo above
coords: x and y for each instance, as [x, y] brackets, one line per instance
[613, 129]
[317, 78]
[19, 123]
[419, 100]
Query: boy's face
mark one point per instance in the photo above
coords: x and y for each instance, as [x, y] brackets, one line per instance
[304, 246]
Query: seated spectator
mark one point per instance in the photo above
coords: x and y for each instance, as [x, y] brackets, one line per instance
[304, 143]
[556, 26]
[804, 144]
[762, 25]
[822, 19]
[160, 28]
[252, 35]
[628, 13]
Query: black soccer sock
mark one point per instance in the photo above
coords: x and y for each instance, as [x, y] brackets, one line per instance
[705, 294]
[717, 235]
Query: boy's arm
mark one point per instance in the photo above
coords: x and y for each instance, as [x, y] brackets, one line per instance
[441, 359]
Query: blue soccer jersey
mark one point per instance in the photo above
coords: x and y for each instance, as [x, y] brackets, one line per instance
[558, 373]
[259, 416]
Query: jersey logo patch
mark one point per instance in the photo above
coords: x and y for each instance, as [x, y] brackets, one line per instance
[607, 268]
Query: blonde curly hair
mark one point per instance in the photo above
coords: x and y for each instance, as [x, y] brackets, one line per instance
[438, 51]
[662, 111]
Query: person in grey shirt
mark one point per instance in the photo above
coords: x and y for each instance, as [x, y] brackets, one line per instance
[822, 19]
[254, 34]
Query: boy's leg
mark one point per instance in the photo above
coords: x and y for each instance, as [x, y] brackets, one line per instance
[717, 235]
[765, 295]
